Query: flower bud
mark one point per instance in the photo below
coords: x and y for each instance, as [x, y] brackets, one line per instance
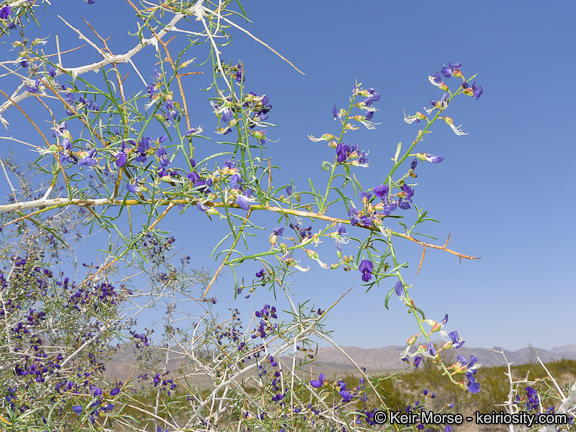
[212, 211]
[259, 135]
[412, 340]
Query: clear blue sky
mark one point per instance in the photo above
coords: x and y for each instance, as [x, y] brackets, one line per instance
[504, 190]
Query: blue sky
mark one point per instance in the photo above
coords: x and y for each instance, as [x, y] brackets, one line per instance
[504, 191]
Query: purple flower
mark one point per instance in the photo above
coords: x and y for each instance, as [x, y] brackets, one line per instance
[68, 157]
[366, 268]
[121, 159]
[443, 102]
[172, 111]
[24, 63]
[52, 72]
[163, 156]
[89, 159]
[34, 88]
[373, 96]
[434, 159]
[353, 215]
[319, 382]
[399, 288]
[444, 321]
[345, 396]
[335, 112]
[278, 231]
[135, 186]
[143, 147]
[431, 349]
[448, 70]
[403, 205]
[77, 409]
[242, 202]
[5, 12]
[389, 208]
[67, 144]
[455, 339]
[408, 193]
[341, 229]
[365, 220]
[193, 177]
[477, 91]
[289, 190]
[473, 386]
[437, 78]
[381, 191]
[342, 151]
[226, 115]
[235, 179]
[114, 391]
[417, 361]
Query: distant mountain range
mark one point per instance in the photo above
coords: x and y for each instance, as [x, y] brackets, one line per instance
[388, 358]
[330, 359]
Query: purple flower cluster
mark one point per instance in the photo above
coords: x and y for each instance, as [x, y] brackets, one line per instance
[259, 107]
[367, 216]
[453, 70]
[473, 386]
[232, 333]
[532, 399]
[238, 72]
[345, 153]
[156, 247]
[164, 383]
[265, 326]
[342, 387]
[256, 107]
[67, 153]
[472, 90]
[302, 233]
[153, 86]
[79, 105]
[140, 339]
